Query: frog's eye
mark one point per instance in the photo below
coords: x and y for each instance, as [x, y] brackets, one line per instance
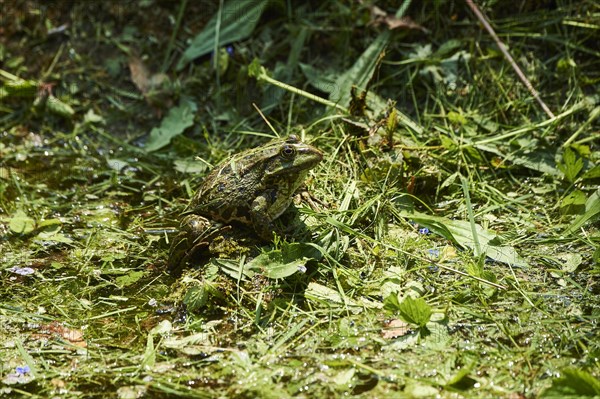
[287, 151]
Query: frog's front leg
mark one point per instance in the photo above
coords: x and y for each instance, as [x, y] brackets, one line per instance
[193, 235]
[263, 212]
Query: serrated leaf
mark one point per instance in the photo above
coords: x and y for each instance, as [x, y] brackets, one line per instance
[238, 20]
[415, 311]
[177, 120]
[196, 298]
[571, 164]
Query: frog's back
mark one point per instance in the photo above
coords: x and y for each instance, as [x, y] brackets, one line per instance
[226, 196]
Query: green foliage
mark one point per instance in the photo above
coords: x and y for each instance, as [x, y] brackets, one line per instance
[570, 165]
[451, 222]
[20, 223]
[415, 311]
[282, 263]
[196, 298]
[574, 383]
[177, 120]
[236, 21]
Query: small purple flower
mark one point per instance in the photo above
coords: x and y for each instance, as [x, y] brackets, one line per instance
[23, 271]
[433, 252]
[423, 230]
[230, 50]
[22, 370]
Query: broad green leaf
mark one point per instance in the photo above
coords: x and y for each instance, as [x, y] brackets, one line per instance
[569, 262]
[130, 278]
[344, 377]
[190, 166]
[162, 328]
[391, 303]
[320, 80]
[196, 298]
[489, 241]
[280, 263]
[19, 88]
[415, 311]
[574, 383]
[539, 160]
[331, 297]
[460, 231]
[20, 223]
[593, 173]
[149, 358]
[177, 120]
[574, 203]
[233, 268]
[49, 230]
[361, 72]
[238, 20]
[592, 209]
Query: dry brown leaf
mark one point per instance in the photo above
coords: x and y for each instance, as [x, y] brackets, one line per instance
[395, 328]
[140, 75]
[378, 17]
[74, 336]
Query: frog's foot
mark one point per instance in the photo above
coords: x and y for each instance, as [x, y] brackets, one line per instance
[303, 195]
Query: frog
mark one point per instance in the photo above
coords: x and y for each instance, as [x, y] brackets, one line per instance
[246, 192]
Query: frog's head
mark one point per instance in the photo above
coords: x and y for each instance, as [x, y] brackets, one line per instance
[290, 156]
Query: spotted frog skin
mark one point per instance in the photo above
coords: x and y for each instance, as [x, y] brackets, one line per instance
[250, 189]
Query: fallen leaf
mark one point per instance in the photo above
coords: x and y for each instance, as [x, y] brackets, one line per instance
[379, 17]
[74, 336]
[395, 328]
[140, 75]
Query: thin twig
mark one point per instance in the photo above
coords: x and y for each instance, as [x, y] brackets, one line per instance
[507, 55]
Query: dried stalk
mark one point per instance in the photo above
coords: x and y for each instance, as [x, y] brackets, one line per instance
[507, 55]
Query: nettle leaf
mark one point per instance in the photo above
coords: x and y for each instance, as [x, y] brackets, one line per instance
[196, 298]
[238, 20]
[415, 311]
[571, 164]
[177, 120]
